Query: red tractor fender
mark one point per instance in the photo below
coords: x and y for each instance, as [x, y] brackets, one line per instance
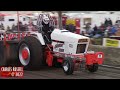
[92, 58]
[49, 58]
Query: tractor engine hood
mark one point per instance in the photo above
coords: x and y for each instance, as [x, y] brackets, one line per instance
[66, 36]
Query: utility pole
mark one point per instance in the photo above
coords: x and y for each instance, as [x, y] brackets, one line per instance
[60, 19]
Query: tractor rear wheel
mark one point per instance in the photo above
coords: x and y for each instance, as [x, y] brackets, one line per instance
[30, 53]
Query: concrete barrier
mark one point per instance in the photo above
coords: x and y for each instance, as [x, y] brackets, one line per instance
[112, 55]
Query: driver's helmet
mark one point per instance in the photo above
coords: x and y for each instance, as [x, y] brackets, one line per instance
[46, 18]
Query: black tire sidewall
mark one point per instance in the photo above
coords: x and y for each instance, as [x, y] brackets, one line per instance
[36, 54]
[70, 66]
[56, 63]
[92, 68]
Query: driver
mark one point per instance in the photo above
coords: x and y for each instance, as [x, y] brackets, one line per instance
[46, 27]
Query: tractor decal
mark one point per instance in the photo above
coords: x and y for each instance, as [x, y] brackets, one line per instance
[11, 36]
[58, 45]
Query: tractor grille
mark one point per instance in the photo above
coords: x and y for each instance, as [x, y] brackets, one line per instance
[81, 48]
[82, 40]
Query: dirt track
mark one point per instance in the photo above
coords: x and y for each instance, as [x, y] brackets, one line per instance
[57, 73]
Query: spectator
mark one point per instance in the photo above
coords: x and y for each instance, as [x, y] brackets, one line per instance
[26, 26]
[106, 22]
[13, 26]
[83, 33]
[89, 31]
[110, 22]
[98, 33]
[95, 29]
[67, 27]
[113, 31]
[64, 26]
[30, 27]
[106, 33]
[87, 27]
[102, 27]
[8, 28]
[72, 28]
[2, 26]
[21, 26]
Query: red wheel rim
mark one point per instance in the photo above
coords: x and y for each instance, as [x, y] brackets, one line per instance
[25, 54]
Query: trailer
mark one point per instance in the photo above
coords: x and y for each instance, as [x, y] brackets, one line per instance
[10, 20]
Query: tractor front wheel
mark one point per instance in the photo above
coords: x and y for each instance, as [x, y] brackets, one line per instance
[92, 68]
[68, 66]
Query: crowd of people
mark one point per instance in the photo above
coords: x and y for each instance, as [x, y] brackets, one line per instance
[22, 27]
[106, 29]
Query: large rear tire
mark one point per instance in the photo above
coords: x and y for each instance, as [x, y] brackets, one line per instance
[30, 53]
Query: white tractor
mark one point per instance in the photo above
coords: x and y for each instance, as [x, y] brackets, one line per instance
[49, 46]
